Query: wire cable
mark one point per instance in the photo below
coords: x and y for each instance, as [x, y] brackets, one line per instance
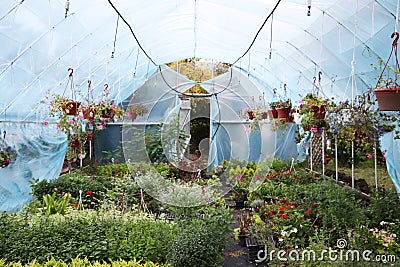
[258, 32]
[132, 32]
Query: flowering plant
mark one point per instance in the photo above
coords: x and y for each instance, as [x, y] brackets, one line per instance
[358, 121]
[5, 159]
[136, 110]
[312, 111]
[385, 238]
[281, 104]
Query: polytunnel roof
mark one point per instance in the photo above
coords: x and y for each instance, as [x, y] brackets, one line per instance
[40, 41]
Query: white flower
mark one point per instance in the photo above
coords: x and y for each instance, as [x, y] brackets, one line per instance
[382, 223]
[283, 233]
[280, 239]
[294, 230]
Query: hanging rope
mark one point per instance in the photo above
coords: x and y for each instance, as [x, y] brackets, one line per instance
[115, 38]
[270, 40]
[66, 8]
[394, 50]
[397, 17]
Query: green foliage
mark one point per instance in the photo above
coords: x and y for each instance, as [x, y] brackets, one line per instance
[54, 205]
[201, 241]
[97, 236]
[78, 262]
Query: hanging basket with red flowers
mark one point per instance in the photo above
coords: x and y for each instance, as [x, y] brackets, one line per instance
[387, 91]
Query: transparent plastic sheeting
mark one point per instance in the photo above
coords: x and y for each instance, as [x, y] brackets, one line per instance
[39, 44]
[38, 153]
[391, 147]
[254, 145]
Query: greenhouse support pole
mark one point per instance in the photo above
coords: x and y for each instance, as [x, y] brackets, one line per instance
[376, 167]
[352, 164]
[323, 152]
[336, 161]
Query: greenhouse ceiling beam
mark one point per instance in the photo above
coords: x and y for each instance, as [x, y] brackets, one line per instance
[349, 30]
[11, 10]
[24, 89]
[48, 67]
[387, 10]
[30, 46]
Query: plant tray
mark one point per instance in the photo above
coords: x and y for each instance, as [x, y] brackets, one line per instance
[388, 98]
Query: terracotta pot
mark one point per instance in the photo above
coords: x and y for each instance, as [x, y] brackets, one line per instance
[89, 113]
[250, 114]
[273, 114]
[131, 116]
[74, 143]
[71, 108]
[264, 115]
[319, 112]
[107, 113]
[290, 119]
[388, 98]
[283, 112]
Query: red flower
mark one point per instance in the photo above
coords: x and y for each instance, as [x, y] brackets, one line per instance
[282, 208]
[285, 216]
[282, 200]
[182, 182]
[75, 205]
[272, 212]
[315, 205]
[244, 230]
[288, 207]
[89, 192]
[308, 212]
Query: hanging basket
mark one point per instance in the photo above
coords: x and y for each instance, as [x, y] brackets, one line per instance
[5, 159]
[273, 113]
[319, 112]
[283, 113]
[88, 112]
[71, 108]
[107, 113]
[251, 115]
[131, 116]
[388, 98]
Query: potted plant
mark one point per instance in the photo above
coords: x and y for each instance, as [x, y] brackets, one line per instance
[312, 111]
[272, 112]
[360, 122]
[387, 90]
[5, 158]
[136, 110]
[283, 108]
[65, 105]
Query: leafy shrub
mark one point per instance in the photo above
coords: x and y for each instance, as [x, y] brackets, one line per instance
[197, 245]
[97, 236]
[84, 263]
[200, 241]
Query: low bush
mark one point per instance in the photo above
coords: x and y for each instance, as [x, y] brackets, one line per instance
[83, 262]
[97, 236]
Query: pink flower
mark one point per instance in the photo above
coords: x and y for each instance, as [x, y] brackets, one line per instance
[387, 239]
[100, 127]
[314, 129]
[368, 155]
[45, 123]
[71, 121]
[385, 244]
[382, 223]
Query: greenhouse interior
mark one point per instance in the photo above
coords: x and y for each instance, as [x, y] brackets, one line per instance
[199, 133]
